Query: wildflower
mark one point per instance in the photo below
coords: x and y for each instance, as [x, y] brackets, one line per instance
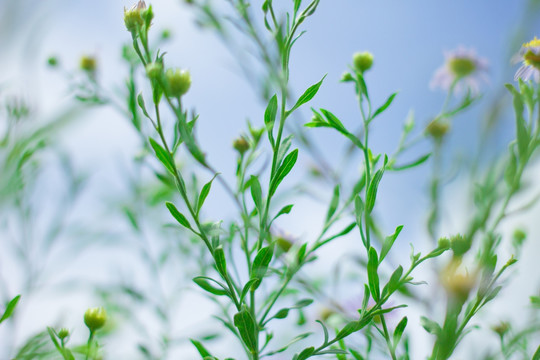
[95, 318]
[363, 61]
[178, 81]
[529, 54]
[133, 18]
[502, 328]
[462, 69]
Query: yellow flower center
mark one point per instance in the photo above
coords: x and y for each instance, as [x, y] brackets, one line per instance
[533, 43]
[532, 59]
[462, 67]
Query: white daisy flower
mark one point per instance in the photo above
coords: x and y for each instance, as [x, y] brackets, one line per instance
[462, 69]
[529, 55]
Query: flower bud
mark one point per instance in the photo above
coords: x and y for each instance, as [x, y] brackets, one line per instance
[457, 285]
[63, 333]
[154, 70]
[95, 318]
[133, 18]
[241, 145]
[346, 77]
[444, 243]
[437, 129]
[178, 82]
[88, 63]
[52, 61]
[459, 244]
[519, 237]
[284, 244]
[363, 61]
[502, 328]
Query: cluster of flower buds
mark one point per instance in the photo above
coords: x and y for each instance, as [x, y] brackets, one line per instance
[176, 82]
[133, 17]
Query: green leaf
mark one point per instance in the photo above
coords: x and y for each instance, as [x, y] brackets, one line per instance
[374, 187]
[352, 327]
[204, 193]
[325, 330]
[182, 220]
[204, 283]
[307, 95]
[373, 277]
[221, 262]
[246, 326]
[389, 242]
[260, 264]
[536, 355]
[283, 171]
[306, 353]
[10, 308]
[200, 348]
[247, 287]
[522, 134]
[431, 326]
[333, 204]
[163, 156]
[140, 101]
[270, 117]
[256, 193]
[383, 107]
[398, 332]
[284, 210]
[334, 121]
[394, 281]
[281, 314]
[412, 164]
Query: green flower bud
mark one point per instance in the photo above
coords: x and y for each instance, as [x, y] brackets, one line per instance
[178, 82]
[88, 63]
[52, 61]
[346, 77]
[95, 318]
[437, 129]
[241, 145]
[63, 333]
[284, 244]
[502, 328]
[444, 243]
[133, 18]
[519, 237]
[459, 245]
[154, 70]
[363, 61]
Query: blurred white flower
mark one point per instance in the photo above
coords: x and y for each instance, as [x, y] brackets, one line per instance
[529, 55]
[462, 69]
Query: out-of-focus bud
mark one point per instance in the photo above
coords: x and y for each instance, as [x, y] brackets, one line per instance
[363, 61]
[502, 328]
[133, 17]
[95, 318]
[283, 244]
[166, 34]
[437, 129]
[63, 333]
[241, 145]
[52, 61]
[178, 82]
[519, 237]
[154, 70]
[459, 244]
[88, 63]
[346, 77]
[457, 285]
[444, 243]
